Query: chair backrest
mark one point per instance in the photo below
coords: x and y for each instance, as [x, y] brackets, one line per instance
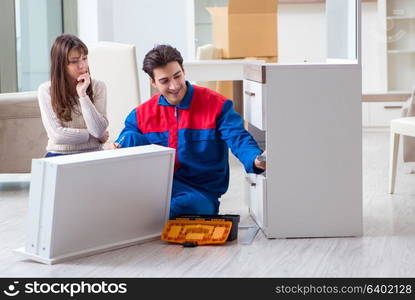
[116, 65]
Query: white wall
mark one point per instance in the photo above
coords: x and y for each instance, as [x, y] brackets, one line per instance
[143, 23]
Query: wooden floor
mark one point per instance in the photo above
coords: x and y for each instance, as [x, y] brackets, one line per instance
[385, 250]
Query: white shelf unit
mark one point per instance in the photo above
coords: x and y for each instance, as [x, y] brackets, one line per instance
[400, 18]
[398, 21]
[306, 131]
[309, 118]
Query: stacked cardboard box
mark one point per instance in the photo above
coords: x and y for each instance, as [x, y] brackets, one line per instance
[245, 29]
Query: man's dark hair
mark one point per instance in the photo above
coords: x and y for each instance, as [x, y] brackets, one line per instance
[160, 56]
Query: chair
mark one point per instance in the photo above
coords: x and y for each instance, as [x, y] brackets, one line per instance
[401, 126]
[116, 65]
[22, 135]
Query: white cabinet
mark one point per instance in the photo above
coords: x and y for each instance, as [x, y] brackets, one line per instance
[312, 117]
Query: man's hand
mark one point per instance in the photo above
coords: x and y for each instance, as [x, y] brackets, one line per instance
[260, 163]
[115, 146]
[105, 137]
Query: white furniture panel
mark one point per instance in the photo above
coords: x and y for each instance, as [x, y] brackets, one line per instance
[121, 78]
[314, 143]
[256, 195]
[92, 202]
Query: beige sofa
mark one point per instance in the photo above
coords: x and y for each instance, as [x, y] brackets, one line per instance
[22, 135]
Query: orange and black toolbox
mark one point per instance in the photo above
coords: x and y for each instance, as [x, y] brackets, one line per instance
[194, 230]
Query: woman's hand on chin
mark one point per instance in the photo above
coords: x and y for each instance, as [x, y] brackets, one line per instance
[84, 81]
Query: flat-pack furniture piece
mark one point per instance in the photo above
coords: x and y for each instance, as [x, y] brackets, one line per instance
[245, 28]
[310, 115]
[93, 202]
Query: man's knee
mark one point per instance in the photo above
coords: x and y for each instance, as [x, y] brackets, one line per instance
[193, 203]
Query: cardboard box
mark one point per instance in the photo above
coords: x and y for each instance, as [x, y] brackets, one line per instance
[245, 28]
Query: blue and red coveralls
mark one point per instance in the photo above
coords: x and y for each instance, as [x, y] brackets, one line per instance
[200, 128]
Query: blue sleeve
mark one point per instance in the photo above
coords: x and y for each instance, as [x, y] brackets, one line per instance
[131, 135]
[231, 128]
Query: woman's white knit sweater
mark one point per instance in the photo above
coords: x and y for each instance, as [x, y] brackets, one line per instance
[89, 121]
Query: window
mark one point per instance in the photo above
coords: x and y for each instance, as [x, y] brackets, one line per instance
[38, 23]
[29, 28]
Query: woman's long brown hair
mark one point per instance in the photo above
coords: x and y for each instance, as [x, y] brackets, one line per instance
[64, 97]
